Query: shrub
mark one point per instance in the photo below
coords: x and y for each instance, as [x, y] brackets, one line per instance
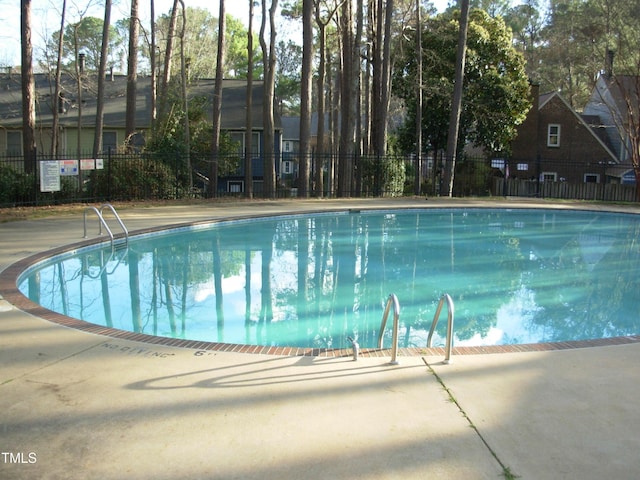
[134, 178]
[15, 187]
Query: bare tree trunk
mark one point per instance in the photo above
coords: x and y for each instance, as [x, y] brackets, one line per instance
[168, 55]
[132, 74]
[185, 100]
[217, 104]
[357, 72]
[334, 127]
[269, 61]
[248, 152]
[385, 94]
[58, 105]
[320, 133]
[28, 89]
[305, 98]
[322, 147]
[348, 94]
[368, 80]
[102, 70]
[153, 57]
[381, 76]
[456, 104]
[376, 64]
[418, 158]
[80, 59]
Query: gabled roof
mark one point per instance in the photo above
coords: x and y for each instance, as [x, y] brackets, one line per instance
[291, 128]
[233, 101]
[599, 135]
[624, 90]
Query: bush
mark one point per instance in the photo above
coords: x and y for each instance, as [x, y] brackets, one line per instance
[472, 178]
[134, 178]
[383, 175]
[15, 187]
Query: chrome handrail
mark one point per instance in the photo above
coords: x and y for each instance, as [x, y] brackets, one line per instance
[118, 219]
[450, 311]
[103, 223]
[391, 301]
[100, 225]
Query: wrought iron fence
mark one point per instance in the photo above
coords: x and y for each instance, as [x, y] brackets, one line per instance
[122, 177]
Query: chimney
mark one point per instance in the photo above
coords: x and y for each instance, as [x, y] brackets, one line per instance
[81, 62]
[609, 63]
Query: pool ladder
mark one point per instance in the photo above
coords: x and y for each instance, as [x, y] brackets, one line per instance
[392, 302]
[450, 310]
[102, 222]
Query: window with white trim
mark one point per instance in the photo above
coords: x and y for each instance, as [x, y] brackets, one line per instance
[553, 135]
[591, 178]
[235, 186]
[548, 177]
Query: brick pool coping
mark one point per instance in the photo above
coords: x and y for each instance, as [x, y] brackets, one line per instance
[9, 292]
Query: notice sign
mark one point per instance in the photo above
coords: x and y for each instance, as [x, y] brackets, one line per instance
[88, 164]
[99, 163]
[68, 167]
[49, 176]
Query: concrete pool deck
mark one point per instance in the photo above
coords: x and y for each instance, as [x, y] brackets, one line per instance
[75, 405]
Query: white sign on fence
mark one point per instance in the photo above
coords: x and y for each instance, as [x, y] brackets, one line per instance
[49, 176]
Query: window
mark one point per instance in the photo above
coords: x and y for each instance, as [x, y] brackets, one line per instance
[591, 178]
[240, 137]
[255, 144]
[548, 176]
[235, 187]
[14, 143]
[109, 142]
[553, 135]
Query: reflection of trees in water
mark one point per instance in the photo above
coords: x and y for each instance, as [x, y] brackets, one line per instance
[600, 286]
[323, 278]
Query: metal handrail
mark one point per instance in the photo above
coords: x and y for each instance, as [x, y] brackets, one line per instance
[449, 342]
[118, 219]
[103, 223]
[391, 301]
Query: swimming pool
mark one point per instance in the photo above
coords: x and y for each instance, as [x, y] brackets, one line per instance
[516, 276]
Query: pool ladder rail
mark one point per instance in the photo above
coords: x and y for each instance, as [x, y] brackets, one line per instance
[102, 222]
[450, 312]
[392, 302]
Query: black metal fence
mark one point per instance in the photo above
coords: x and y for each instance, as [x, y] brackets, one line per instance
[122, 177]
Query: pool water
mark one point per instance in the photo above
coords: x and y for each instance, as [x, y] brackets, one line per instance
[516, 276]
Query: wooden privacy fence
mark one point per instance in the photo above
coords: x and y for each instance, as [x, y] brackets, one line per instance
[609, 192]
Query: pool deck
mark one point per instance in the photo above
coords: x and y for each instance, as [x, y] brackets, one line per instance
[75, 405]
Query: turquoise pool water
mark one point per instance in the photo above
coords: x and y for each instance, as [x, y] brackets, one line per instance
[516, 276]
